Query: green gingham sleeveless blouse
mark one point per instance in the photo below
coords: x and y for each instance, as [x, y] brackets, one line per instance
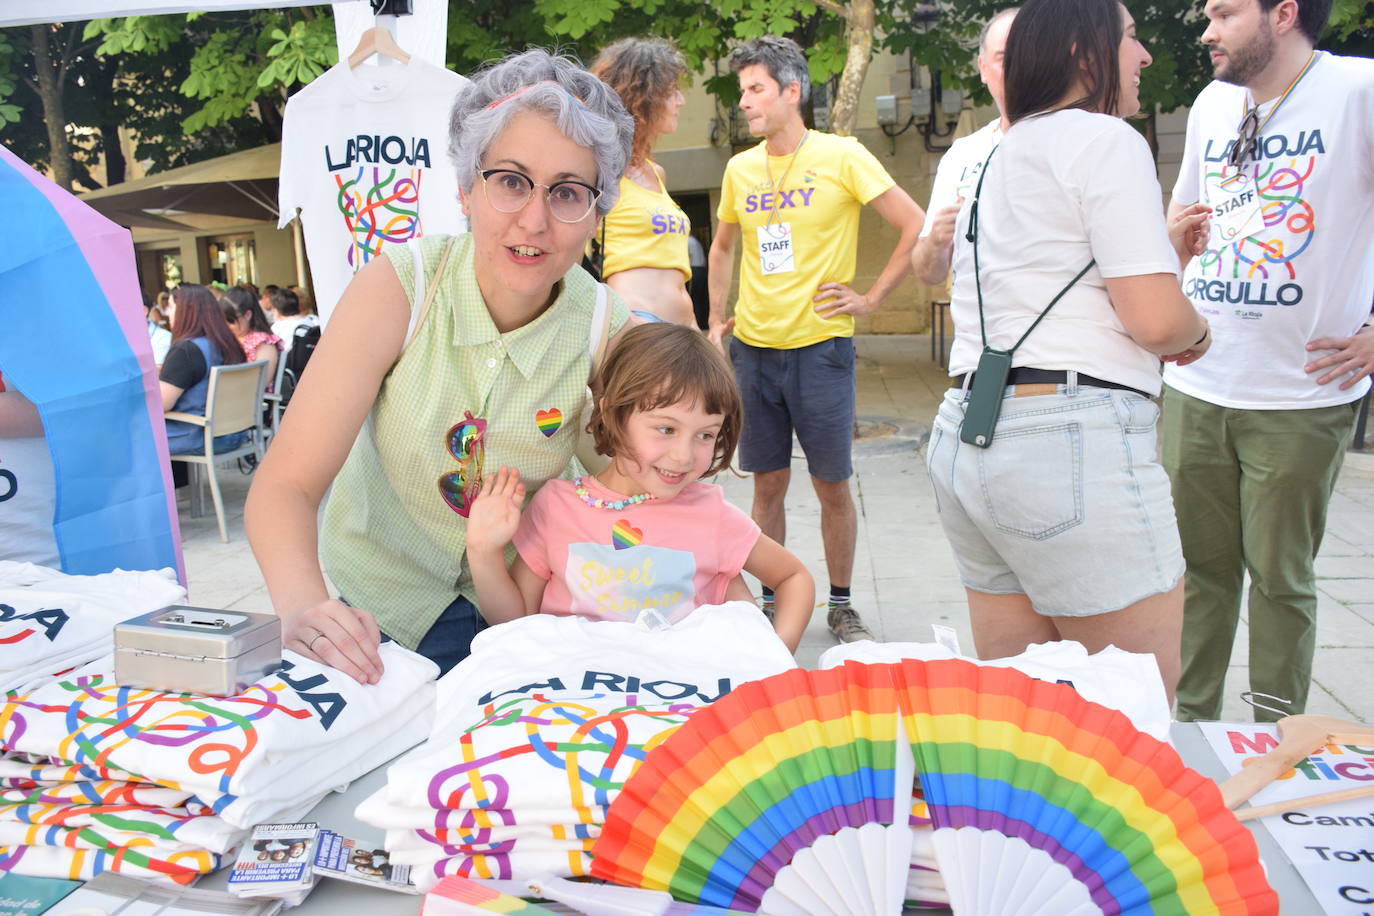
[390, 543]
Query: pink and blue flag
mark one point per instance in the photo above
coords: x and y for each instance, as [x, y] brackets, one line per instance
[74, 341]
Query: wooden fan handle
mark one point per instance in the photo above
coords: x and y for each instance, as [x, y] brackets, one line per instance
[1326, 798]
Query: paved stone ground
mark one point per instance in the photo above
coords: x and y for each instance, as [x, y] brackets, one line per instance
[905, 579]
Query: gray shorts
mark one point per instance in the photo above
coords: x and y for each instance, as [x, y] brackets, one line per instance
[1069, 506]
[807, 390]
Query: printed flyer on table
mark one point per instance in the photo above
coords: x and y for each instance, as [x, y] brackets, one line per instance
[1331, 846]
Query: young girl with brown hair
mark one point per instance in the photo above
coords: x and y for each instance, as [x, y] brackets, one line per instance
[645, 539]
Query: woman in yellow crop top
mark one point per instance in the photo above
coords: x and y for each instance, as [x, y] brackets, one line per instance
[645, 241]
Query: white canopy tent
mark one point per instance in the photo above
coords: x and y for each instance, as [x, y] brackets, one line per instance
[28, 12]
[424, 32]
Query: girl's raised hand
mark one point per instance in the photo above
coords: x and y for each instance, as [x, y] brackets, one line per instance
[496, 511]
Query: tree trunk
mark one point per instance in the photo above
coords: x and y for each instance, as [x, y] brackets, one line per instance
[115, 166]
[270, 116]
[50, 94]
[1152, 134]
[859, 25]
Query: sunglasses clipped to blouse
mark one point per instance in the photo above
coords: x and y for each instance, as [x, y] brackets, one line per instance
[464, 442]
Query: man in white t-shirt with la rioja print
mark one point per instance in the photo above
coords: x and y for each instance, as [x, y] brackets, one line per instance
[1279, 146]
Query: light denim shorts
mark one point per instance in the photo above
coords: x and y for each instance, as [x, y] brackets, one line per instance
[1069, 506]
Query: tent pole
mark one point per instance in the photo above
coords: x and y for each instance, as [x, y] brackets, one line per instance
[298, 239]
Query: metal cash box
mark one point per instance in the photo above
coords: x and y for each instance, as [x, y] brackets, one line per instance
[196, 650]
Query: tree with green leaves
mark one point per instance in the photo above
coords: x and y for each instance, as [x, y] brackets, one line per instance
[193, 86]
[1171, 29]
[187, 87]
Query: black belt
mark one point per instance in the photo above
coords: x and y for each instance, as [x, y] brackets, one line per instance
[1025, 375]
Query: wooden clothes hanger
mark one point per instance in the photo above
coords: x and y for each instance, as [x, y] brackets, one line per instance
[376, 40]
[1299, 736]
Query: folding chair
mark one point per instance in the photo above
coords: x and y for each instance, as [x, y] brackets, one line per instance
[233, 404]
[271, 402]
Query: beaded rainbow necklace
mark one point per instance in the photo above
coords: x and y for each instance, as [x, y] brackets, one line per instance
[613, 504]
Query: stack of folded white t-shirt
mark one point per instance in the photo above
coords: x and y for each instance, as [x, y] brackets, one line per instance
[538, 730]
[51, 622]
[1126, 681]
[94, 776]
[1129, 682]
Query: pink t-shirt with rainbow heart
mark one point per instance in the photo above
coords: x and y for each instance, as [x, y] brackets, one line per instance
[669, 556]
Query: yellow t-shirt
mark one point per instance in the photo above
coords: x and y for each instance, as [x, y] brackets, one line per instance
[818, 201]
[646, 229]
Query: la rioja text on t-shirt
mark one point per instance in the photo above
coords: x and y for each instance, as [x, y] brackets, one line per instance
[1260, 218]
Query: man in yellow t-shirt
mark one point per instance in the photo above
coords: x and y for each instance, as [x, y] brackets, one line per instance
[794, 200]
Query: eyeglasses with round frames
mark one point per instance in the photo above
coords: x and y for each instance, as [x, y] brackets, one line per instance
[508, 191]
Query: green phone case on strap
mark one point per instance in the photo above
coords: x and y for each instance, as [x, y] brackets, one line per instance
[985, 398]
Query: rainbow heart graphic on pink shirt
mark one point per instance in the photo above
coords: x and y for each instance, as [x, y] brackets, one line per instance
[548, 421]
[623, 535]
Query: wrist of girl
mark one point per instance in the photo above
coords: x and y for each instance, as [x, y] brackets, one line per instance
[486, 551]
[1207, 329]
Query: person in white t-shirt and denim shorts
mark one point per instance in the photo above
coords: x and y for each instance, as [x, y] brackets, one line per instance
[1063, 526]
[1279, 150]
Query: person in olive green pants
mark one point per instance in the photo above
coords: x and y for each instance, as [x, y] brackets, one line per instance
[1255, 484]
[1283, 268]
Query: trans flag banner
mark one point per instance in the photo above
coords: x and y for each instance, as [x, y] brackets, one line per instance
[74, 341]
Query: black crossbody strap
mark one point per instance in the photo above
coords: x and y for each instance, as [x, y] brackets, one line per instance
[972, 236]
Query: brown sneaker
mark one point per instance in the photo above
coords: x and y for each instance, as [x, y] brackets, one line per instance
[844, 622]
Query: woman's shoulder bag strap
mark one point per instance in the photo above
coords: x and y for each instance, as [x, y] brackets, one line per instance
[600, 330]
[424, 296]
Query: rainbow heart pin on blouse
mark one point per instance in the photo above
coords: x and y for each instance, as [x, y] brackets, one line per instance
[549, 420]
[623, 535]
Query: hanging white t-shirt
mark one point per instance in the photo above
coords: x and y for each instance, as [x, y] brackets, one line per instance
[365, 159]
[423, 33]
[959, 168]
[1063, 189]
[1302, 266]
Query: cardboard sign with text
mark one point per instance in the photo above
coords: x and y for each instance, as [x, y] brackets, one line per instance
[1331, 846]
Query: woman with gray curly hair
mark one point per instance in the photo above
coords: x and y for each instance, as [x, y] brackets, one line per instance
[643, 240]
[446, 356]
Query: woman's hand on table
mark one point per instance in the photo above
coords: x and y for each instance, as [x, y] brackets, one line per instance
[338, 635]
[495, 514]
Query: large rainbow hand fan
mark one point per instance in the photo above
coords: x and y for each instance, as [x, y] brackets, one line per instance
[793, 799]
[1042, 802]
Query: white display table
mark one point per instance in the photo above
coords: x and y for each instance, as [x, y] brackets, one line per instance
[340, 898]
